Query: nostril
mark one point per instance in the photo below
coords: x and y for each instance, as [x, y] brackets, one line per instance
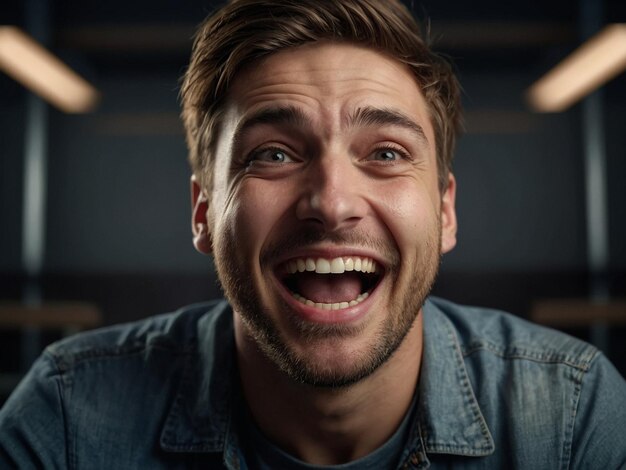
[332, 210]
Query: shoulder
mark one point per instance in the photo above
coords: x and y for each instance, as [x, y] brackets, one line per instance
[510, 337]
[542, 393]
[81, 389]
[174, 332]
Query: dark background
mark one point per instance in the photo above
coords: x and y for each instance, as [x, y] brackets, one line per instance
[118, 211]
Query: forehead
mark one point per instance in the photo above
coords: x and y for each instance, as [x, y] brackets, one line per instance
[329, 80]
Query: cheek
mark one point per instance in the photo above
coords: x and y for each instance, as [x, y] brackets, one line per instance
[249, 216]
[408, 207]
[409, 213]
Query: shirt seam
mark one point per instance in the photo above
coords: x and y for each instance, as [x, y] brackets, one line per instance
[63, 360]
[61, 383]
[548, 357]
[487, 446]
[470, 397]
[578, 385]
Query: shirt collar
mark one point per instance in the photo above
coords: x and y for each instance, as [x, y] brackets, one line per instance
[200, 416]
[450, 419]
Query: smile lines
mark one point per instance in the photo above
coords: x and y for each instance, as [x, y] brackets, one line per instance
[332, 266]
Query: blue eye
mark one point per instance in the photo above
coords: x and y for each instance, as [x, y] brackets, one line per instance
[276, 156]
[271, 155]
[386, 155]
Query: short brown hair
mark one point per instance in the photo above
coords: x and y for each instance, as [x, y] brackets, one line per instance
[247, 30]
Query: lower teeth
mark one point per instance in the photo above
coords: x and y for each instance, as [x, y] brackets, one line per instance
[333, 306]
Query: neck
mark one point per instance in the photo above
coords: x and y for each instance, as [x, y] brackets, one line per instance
[327, 426]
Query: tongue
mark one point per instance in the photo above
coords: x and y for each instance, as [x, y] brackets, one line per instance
[328, 288]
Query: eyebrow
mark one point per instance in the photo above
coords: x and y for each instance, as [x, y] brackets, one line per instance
[371, 116]
[285, 115]
[292, 116]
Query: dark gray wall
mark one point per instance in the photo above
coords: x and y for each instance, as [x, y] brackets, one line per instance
[520, 177]
[119, 183]
[615, 98]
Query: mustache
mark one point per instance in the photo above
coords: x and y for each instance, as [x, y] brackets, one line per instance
[307, 236]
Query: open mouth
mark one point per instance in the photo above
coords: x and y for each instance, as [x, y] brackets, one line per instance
[331, 284]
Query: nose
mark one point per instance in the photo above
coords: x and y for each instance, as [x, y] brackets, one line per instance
[333, 194]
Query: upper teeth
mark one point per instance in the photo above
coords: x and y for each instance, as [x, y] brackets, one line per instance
[332, 266]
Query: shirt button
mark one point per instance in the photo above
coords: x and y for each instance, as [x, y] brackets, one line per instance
[418, 458]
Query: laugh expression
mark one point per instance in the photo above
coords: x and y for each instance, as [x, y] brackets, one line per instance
[325, 213]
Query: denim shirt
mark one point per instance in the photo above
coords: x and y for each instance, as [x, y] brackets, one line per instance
[494, 392]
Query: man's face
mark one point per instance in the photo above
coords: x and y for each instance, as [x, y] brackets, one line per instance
[326, 220]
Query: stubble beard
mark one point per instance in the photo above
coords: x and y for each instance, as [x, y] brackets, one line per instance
[239, 289]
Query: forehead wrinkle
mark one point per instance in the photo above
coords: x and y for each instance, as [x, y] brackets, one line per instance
[326, 92]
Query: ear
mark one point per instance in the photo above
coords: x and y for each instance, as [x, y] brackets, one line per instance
[199, 221]
[448, 216]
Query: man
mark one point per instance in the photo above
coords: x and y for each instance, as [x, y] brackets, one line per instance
[321, 135]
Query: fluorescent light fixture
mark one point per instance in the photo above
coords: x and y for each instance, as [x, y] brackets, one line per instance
[590, 66]
[22, 58]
